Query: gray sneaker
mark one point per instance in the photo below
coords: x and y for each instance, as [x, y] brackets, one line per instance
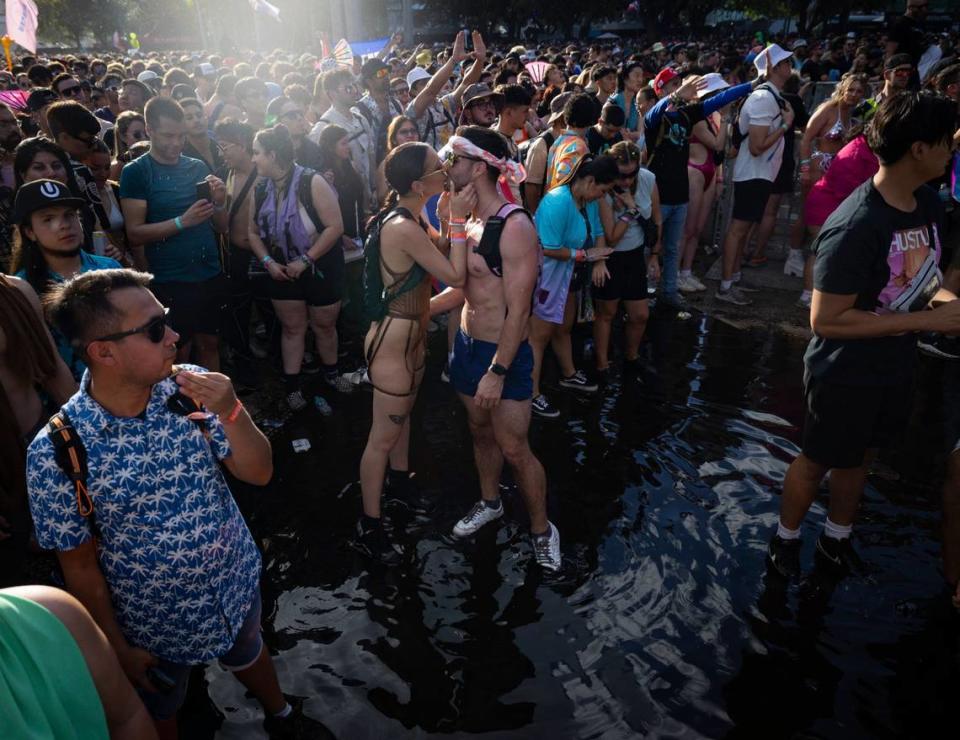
[296, 401]
[734, 296]
[479, 515]
[341, 384]
[546, 549]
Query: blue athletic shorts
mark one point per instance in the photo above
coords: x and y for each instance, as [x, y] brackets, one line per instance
[471, 359]
[244, 652]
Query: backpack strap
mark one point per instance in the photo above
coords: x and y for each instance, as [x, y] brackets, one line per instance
[305, 196]
[71, 457]
[491, 244]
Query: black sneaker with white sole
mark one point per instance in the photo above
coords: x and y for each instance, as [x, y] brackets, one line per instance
[578, 382]
[543, 408]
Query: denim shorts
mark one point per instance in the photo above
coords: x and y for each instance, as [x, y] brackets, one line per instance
[471, 359]
[244, 652]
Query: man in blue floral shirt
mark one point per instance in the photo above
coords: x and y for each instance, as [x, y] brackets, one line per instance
[165, 564]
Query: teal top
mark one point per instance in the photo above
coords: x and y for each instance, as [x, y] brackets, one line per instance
[192, 255]
[88, 262]
[46, 690]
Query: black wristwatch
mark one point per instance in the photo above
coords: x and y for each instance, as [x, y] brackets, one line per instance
[498, 369]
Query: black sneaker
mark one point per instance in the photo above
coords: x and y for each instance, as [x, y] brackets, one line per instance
[578, 382]
[839, 554]
[543, 408]
[375, 544]
[296, 726]
[402, 490]
[784, 557]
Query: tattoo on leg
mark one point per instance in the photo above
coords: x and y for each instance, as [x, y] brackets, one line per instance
[397, 419]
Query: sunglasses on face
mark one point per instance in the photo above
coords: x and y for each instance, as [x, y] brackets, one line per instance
[292, 115]
[450, 159]
[399, 90]
[348, 88]
[154, 330]
[439, 171]
[73, 91]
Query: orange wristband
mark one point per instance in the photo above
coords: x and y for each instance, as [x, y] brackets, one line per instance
[232, 416]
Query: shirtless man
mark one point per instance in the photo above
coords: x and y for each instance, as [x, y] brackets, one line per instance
[23, 370]
[236, 146]
[492, 361]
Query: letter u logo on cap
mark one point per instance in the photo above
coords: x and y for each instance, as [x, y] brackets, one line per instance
[50, 190]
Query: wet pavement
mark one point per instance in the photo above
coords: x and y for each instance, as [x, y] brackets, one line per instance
[663, 622]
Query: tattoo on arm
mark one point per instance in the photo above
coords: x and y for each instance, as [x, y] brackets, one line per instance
[397, 419]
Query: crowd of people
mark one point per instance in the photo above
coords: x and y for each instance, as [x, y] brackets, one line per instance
[165, 217]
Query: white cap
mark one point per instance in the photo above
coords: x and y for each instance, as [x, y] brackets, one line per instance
[714, 82]
[799, 42]
[205, 69]
[147, 75]
[415, 75]
[770, 58]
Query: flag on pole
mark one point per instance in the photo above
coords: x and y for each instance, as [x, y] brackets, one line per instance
[262, 6]
[22, 19]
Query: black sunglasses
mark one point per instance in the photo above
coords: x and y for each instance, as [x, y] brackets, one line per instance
[154, 329]
[73, 91]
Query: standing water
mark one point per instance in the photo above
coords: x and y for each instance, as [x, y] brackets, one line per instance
[663, 622]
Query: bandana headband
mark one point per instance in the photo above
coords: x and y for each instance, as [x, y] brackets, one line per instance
[513, 172]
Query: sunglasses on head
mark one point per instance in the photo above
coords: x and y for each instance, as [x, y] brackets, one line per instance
[154, 330]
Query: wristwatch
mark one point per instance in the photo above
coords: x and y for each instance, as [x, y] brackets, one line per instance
[498, 369]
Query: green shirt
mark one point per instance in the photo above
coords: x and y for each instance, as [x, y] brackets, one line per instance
[46, 690]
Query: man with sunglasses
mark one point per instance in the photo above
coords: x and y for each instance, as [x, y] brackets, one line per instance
[907, 36]
[291, 114]
[378, 107]
[75, 130]
[342, 90]
[897, 71]
[162, 558]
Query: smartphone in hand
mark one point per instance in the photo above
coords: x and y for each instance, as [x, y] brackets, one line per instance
[203, 191]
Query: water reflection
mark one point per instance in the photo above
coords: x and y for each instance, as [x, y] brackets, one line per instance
[663, 623]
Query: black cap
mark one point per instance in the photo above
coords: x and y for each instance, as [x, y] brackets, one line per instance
[33, 196]
[40, 97]
[371, 67]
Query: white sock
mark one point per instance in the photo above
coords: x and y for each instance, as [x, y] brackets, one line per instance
[837, 531]
[686, 273]
[725, 285]
[795, 255]
[806, 295]
[285, 712]
[735, 277]
[787, 534]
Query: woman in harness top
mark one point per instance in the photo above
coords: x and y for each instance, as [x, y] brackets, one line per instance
[400, 258]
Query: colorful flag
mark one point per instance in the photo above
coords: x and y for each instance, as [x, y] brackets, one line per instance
[22, 19]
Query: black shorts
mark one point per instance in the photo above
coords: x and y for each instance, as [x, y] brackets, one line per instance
[628, 277]
[195, 308]
[750, 199]
[842, 422]
[784, 182]
[320, 286]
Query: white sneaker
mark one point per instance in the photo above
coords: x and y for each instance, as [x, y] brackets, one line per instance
[546, 549]
[803, 302]
[794, 265]
[479, 515]
[697, 285]
[686, 284]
